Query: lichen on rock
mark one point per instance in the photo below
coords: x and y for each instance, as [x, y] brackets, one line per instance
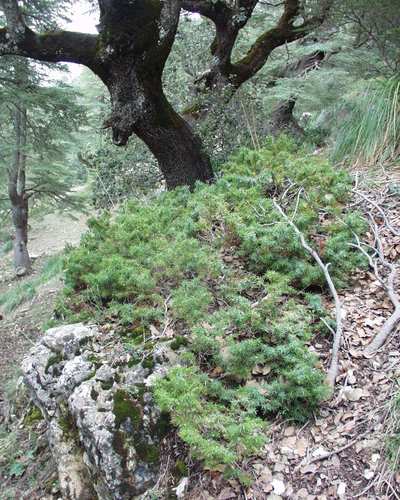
[104, 428]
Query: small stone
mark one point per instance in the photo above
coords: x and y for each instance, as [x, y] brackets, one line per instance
[341, 490]
[278, 486]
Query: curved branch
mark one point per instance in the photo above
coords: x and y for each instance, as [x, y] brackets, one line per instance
[284, 32]
[56, 46]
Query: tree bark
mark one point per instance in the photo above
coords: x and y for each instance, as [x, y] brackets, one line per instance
[178, 150]
[133, 76]
[17, 193]
[283, 121]
[22, 259]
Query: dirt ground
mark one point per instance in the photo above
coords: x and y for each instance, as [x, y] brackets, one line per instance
[20, 328]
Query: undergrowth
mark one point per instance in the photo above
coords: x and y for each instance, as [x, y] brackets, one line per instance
[27, 290]
[222, 269]
[370, 133]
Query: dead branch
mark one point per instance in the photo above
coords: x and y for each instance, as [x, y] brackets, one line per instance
[330, 454]
[385, 272]
[380, 210]
[337, 338]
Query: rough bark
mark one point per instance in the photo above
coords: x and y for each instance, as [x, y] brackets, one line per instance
[283, 121]
[17, 193]
[230, 17]
[129, 54]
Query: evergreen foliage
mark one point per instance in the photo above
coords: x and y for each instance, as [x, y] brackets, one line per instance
[235, 282]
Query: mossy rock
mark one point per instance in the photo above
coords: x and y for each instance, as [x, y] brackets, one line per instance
[33, 417]
[125, 407]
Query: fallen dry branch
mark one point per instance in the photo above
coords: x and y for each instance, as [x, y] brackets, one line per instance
[389, 284]
[386, 272]
[330, 454]
[337, 337]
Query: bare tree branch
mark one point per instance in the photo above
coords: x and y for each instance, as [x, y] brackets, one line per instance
[337, 339]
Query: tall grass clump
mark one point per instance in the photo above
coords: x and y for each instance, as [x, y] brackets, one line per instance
[370, 131]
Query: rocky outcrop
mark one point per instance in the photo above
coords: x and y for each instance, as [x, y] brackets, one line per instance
[104, 429]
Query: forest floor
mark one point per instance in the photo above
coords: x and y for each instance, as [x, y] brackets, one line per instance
[339, 454]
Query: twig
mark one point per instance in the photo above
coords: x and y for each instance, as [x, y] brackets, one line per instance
[335, 452]
[337, 338]
[380, 210]
[388, 284]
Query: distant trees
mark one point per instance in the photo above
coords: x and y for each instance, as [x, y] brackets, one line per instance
[39, 121]
[129, 54]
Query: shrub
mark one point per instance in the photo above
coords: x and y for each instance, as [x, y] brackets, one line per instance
[233, 278]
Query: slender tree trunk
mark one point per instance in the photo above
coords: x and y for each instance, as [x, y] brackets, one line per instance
[17, 194]
[22, 260]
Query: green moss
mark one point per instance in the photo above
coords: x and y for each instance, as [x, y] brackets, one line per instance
[178, 342]
[163, 425]
[148, 362]
[125, 407]
[134, 360]
[149, 453]
[180, 469]
[68, 427]
[34, 416]
[53, 360]
[106, 386]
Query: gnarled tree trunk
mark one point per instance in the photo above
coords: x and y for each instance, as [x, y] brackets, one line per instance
[149, 115]
[132, 71]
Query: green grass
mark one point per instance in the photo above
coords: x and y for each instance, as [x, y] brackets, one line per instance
[371, 132]
[27, 290]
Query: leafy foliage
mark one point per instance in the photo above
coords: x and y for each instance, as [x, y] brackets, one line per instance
[234, 281]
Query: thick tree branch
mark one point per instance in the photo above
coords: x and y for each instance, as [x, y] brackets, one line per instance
[229, 18]
[56, 46]
[284, 32]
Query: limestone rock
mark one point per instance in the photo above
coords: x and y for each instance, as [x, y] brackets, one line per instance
[104, 428]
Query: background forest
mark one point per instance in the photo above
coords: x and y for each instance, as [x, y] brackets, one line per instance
[247, 281]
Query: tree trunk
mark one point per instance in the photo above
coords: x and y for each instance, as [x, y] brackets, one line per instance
[17, 194]
[283, 121]
[140, 106]
[178, 150]
[22, 260]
